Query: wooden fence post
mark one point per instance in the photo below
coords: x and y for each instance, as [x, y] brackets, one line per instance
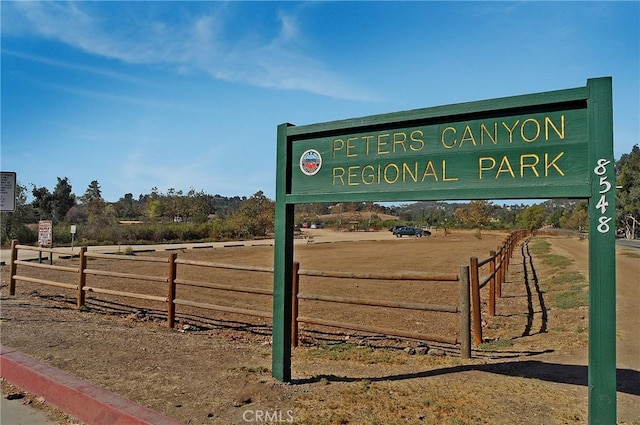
[501, 270]
[475, 300]
[465, 313]
[492, 284]
[82, 277]
[171, 306]
[295, 288]
[13, 267]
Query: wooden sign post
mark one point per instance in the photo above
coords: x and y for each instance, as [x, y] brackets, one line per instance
[547, 145]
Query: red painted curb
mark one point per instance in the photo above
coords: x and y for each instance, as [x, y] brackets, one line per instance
[81, 399]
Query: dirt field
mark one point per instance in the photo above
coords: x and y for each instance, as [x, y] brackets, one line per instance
[215, 368]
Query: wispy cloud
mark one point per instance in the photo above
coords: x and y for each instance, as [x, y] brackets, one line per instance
[80, 68]
[199, 37]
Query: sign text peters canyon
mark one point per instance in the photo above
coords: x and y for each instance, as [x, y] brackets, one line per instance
[547, 148]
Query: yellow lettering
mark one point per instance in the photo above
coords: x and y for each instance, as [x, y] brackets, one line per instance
[407, 170]
[505, 167]
[429, 170]
[484, 130]
[351, 146]
[399, 139]
[482, 167]
[382, 143]
[368, 177]
[337, 174]
[524, 164]
[444, 173]
[338, 144]
[386, 173]
[367, 139]
[548, 123]
[352, 174]
[467, 135]
[453, 145]
[548, 164]
[417, 137]
[510, 130]
[537, 131]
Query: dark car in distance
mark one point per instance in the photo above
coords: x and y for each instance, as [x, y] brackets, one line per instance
[410, 231]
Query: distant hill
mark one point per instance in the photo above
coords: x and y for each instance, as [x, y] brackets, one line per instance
[357, 215]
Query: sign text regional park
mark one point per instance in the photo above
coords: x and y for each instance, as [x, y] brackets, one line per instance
[538, 149]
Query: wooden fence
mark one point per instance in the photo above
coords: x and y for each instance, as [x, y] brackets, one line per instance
[468, 279]
[495, 276]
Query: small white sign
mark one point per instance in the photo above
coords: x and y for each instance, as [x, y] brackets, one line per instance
[73, 229]
[7, 191]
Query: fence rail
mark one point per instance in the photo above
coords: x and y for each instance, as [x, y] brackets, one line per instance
[498, 262]
[471, 279]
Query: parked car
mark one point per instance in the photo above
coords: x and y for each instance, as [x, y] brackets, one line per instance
[411, 231]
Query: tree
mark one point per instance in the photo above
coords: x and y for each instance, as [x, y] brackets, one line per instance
[93, 204]
[42, 202]
[12, 224]
[477, 213]
[628, 192]
[93, 193]
[255, 216]
[532, 217]
[576, 219]
[63, 199]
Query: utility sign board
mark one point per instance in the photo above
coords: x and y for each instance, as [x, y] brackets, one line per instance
[7, 191]
[45, 233]
[555, 144]
[544, 152]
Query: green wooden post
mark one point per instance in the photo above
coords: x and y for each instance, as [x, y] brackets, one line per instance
[283, 264]
[602, 261]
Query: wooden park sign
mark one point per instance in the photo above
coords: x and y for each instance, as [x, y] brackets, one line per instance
[546, 145]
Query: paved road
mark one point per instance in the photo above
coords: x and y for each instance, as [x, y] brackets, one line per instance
[629, 243]
[13, 412]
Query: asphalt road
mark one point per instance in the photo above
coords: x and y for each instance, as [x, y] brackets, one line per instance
[629, 243]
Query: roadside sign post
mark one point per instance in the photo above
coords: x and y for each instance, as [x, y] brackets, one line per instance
[73, 235]
[45, 238]
[539, 146]
[8, 186]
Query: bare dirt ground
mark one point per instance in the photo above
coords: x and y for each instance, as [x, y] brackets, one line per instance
[214, 368]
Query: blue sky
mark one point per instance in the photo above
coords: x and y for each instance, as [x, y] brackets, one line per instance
[189, 94]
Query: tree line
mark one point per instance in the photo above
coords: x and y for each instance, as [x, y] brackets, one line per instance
[175, 215]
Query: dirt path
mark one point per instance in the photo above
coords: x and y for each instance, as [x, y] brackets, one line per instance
[627, 319]
[219, 373]
[627, 297]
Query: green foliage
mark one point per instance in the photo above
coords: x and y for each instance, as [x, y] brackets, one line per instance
[13, 224]
[628, 193]
[557, 261]
[476, 214]
[255, 217]
[572, 297]
[576, 219]
[539, 246]
[533, 217]
[496, 345]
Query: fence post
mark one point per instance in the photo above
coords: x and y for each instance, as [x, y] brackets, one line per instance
[171, 306]
[295, 288]
[465, 313]
[501, 270]
[492, 284]
[475, 300]
[82, 278]
[13, 267]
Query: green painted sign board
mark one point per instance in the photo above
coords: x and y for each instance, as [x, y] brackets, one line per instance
[539, 146]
